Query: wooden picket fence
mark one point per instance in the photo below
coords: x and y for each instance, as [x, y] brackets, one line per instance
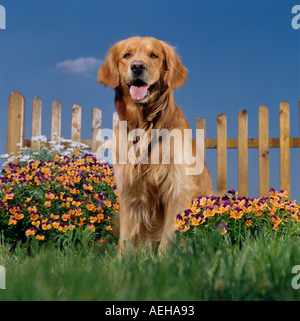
[16, 126]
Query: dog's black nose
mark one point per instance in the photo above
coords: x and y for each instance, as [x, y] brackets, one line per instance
[138, 67]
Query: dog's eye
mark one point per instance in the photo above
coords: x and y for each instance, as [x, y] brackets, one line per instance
[153, 55]
[127, 55]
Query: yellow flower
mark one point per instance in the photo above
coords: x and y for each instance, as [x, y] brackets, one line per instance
[74, 191]
[61, 229]
[54, 217]
[283, 194]
[91, 207]
[12, 221]
[195, 221]
[34, 217]
[276, 220]
[55, 224]
[296, 217]
[194, 207]
[222, 209]
[50, 196]
[32, 208]
[80, 161]
[78, 211]
[36, 223]
[65, 204]
[9, 196]
[19, 216]
[76, 203]
[92, 228]
[107, 203]
[77, 179]
[236, 214]
[28, 177]
[96, 180]
[93, 219]
[186, 228]
[40, 237]
[116, 207]
[48, 203]
[100, 217]
[30, 231]
[108, 228]
[249, 221]
[209, 212]
[66, 216]
[46, 226]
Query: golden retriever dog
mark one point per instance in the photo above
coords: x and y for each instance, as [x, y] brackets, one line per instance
[144, 72]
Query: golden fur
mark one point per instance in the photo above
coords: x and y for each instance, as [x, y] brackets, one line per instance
[150, 195]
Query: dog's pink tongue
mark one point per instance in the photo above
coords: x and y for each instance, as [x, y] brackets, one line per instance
[138, 93]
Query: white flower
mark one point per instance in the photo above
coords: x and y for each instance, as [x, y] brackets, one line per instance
[4, 156]
[25, 158]
[58, 147]
[75, 144]
[42, 138]
[84, 145]
[63, 140]
[67, 153]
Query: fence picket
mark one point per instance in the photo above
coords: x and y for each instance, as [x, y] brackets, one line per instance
[15, 122]
[96, 126]
[201, 124]
[263, 151]
[76, 123]
[36, 122]
[56, 121]
[284, 138]
[221, 154]
[243, 153]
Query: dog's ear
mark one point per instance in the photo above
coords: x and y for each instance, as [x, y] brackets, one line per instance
[176, 74]
[108, 73]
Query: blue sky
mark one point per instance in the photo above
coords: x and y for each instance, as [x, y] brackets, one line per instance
[240, 55]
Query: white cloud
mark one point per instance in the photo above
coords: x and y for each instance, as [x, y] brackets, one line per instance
[80, 65]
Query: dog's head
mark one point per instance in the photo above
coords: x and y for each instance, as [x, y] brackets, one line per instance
[143, 67]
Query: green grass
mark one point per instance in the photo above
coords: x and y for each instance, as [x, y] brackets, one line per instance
[205, 270]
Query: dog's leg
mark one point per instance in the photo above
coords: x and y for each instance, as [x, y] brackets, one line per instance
[126, 236]
[169, 227]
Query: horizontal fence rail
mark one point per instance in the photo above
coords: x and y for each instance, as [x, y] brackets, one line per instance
[16, 126]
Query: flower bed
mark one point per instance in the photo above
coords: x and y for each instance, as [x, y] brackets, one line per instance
[235, 217]
[45, 199]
